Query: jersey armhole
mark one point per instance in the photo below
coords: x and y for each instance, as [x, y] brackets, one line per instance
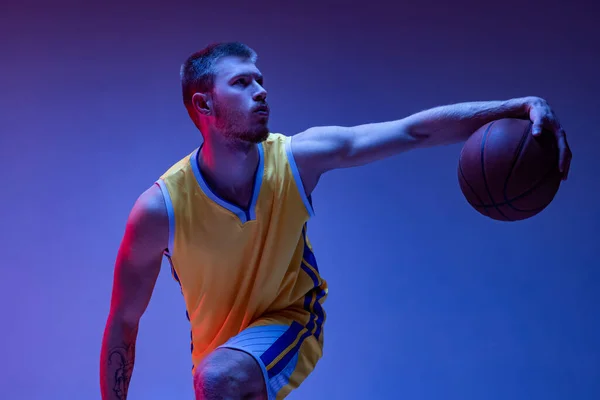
[307, 200]
[171, 213]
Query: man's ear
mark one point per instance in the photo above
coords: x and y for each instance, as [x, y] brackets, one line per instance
[202, 103]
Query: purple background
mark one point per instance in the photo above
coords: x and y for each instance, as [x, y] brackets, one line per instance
[428, 299]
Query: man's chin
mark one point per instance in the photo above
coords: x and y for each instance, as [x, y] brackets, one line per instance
[259, 136]
[252, 136]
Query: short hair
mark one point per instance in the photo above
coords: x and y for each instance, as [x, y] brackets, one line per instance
[198, 71]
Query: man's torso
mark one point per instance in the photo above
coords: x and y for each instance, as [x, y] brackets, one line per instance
[238, 267]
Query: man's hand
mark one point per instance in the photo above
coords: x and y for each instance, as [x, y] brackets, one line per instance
[544, 118]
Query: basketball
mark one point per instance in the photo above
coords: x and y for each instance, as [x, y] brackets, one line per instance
[507, 174]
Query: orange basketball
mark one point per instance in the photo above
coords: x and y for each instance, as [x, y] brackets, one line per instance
[507, 174]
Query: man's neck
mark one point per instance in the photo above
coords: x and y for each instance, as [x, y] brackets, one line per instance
[229, 167]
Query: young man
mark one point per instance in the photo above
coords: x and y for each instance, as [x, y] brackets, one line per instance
[231, 218]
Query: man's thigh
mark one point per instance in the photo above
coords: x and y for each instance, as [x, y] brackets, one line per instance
[285, 354]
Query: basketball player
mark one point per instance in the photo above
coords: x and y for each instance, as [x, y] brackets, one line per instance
[231, 217]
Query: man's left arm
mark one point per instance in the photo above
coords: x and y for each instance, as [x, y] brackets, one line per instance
[321, 149]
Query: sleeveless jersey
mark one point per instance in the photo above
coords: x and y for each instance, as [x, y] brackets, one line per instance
[238, 268]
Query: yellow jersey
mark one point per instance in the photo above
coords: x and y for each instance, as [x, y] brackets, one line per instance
[243, 267]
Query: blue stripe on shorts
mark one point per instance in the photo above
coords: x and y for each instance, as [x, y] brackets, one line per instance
[256, 341]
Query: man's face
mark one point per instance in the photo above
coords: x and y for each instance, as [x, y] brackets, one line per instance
[240, 109]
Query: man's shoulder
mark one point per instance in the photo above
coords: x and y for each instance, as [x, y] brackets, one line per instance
[147, 229]
[180, 165]
[150, 207]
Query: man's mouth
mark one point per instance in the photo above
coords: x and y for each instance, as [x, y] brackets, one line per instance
[262, 110]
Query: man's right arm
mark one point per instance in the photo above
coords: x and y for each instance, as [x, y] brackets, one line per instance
[136, 270]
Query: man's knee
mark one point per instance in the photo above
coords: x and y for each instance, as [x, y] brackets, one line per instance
[229, 374]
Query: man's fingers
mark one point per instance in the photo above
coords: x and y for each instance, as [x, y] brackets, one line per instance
[537, 128]
[564, 160]
[562, 149]
[539, 123]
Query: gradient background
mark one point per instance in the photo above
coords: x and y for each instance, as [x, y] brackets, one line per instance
[428, 300]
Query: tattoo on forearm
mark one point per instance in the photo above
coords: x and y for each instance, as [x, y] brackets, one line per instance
[121, 359]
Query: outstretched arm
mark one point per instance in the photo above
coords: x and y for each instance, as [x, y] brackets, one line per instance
[320, 149]
[136, 270]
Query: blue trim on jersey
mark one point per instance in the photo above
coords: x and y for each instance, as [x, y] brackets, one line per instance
[314, 326]
[187, 315]
[171, 213]
[309, 256]
[258, 178]
[297, 178]
[310, 266]
[169, 251]
[243, 215]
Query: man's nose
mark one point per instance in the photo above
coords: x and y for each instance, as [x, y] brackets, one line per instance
[260, 94]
